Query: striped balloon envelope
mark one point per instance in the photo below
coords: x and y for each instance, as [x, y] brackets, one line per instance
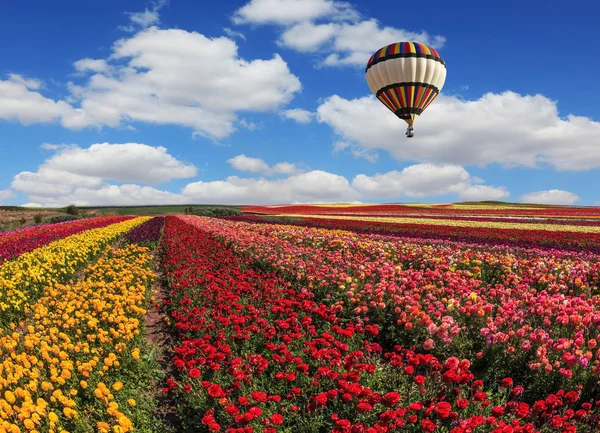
[406, 77]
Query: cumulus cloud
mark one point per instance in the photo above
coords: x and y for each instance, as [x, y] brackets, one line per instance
[91, 65]
[77, 175]
[164, 77]
[553, 196]
[257, 165]
[6, 194]
[350, 43]
[245, 163]
[148, 17]
[204, 95]
[331, 28]
[426, 180]
[285, 12]
[506, 128]
[87, 177]
[299, 115]
[20, 102]
[313, 186]
[29, 83]
[128, 162]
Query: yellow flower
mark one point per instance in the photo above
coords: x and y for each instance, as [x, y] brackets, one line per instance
[103, 427]
[117, 386]
[9, 397]
[131, 402]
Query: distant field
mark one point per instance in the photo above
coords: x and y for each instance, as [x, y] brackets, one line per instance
[150, 210]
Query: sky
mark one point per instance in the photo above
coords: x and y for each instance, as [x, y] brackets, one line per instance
[266, 102]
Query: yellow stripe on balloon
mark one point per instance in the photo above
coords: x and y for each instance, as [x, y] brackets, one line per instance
[395, 98]
[403, 97]
[411, 48]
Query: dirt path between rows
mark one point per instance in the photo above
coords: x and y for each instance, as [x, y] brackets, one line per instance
[159, 337]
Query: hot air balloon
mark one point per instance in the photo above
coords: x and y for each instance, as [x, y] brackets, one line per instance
[406, 77]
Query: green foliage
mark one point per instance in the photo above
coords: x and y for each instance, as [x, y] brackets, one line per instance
[71, 210]
[217, 211]
[37, 219]
[62, 218]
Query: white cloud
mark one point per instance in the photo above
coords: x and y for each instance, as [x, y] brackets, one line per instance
[299, 115]
[553, 196]
[109, 195]
[128, 162]
[257, 165]
[147, 18]
[285, 12]
[32, 205]
[354, 150]
[245, 163]
[54, 147]
[483, 192]
[163, 77]
[85, 177]
[313, 186]
[426, 180]
[184, 78]
[91, 65]
[20, 102]
[29, 83]
[6, 194]
[350, 43]
[333, 29]
[507, 128]
[79, 175]
[286, 168]
[307, 37]
[234, 34]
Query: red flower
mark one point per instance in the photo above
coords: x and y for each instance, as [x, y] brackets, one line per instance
[259, 396]
[443, 409]
[461, 403]
[497, 411]
[427, 426]
[276, 419]
[194, 373]
[321, 400]
[364, 407]
[391, 399]
[215, 391]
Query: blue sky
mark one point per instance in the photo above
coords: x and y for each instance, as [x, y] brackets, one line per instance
[265, 101]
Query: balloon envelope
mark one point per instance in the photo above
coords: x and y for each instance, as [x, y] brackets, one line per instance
[406, 77]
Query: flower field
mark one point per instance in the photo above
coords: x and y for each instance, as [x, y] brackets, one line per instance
[317, 323]
[284, 328]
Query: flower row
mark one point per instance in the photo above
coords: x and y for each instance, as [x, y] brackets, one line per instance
[147, 232]
[467, 224]
[74, 364]
[541, 211]
[15, 243]
[23, 279]
[568, 241]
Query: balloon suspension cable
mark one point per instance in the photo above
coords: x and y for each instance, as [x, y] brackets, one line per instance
[409, 132]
